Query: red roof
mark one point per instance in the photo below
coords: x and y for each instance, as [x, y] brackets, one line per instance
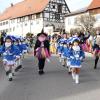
[24, 8]
[95, 4]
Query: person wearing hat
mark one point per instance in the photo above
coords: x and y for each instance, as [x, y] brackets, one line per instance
[76, 56]
[8, 50]
[41, 50]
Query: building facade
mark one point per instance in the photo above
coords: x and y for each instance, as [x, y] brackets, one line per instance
[30, 16]
[92, 9]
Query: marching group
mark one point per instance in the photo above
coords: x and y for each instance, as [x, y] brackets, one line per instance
[69, 47]
[12, 51]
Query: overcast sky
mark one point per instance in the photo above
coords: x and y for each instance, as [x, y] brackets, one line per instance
[73, 4]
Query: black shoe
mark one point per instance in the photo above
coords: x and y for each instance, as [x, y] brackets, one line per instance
[19, 67]
[67, 67]
[7, 73]
[41, 72]
[63, 65]
[69, 73]
[13, 74]
[10, 79]
[95, 67]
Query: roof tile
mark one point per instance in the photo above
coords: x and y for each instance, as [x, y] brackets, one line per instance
[24, 8]
[94, 4]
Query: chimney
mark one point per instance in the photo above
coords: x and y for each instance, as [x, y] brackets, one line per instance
[12, 4]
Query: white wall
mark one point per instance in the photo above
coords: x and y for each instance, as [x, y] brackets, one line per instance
[4, 27]
[22, 28]
[70, 22]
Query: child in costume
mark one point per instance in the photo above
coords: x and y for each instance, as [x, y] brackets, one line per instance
[19, 54]
[76, 56]
[8, 50]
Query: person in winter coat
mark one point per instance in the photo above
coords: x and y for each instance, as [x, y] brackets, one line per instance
[41, 51]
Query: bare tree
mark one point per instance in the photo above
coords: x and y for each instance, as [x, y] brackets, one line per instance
[86, 22]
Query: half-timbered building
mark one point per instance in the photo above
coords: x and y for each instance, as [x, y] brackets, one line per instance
[33, 16]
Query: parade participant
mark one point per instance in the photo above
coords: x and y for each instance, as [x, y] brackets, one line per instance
[76, 56]
[74, 37]
[42, 51]
[25, 47]
[96, 49]
[83, 37]
[19, 54]
[64, 41]
[9, 56]
[3, 35]
[60, 47]
[69, 43]
[64, 52]
[52, 45]
[83, 40]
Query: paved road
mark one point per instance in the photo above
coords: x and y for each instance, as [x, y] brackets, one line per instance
[56, 84]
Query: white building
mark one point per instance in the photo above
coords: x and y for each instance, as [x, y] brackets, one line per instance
[33, 16]
[94, 9]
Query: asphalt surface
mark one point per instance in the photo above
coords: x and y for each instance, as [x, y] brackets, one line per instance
[55, 84]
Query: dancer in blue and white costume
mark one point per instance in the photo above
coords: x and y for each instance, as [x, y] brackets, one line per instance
[60, 48]
[9, 51]
[19, 55]
[64, 52]
[76, 56]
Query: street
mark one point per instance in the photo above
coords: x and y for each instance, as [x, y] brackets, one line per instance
[55, 84]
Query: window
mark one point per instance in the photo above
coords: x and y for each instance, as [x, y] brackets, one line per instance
[38, 15]
[6, 30]
[3, 23]
[30, 17]
[10, 30]
[59, 8]
[57, 16]
[23, 19]
[13, 28]
[33, 16]
[25, 24]
[46, 15]
[6, 22]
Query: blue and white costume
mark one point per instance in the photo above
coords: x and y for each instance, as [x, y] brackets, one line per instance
[60, 46]
[9, 54]
[24, 47]
[76, 56]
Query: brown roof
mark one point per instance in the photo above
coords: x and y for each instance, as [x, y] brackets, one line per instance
[23, 8]
[95, 4]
